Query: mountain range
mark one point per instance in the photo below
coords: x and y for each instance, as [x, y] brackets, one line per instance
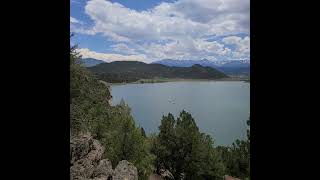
[89, 62]
[131, 71]
[231, 67]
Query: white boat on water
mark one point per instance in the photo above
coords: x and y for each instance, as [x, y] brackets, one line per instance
[171, 101]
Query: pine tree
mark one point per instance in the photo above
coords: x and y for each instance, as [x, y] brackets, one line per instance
[184, 151]
[143, 132]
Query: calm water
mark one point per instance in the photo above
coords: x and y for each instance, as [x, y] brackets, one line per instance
[220, 109]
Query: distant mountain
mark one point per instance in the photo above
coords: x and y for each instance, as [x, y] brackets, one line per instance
[183, 63]
[89, 62]
[231, 67]
[130, 71]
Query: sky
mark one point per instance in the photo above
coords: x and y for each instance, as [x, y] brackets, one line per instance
[151, 30]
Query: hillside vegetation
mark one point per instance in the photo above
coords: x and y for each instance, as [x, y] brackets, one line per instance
[131, 71]
[89, 62]
[179, 147]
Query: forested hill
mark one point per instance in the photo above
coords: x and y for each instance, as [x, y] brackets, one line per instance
[89, 62]
[130, 71]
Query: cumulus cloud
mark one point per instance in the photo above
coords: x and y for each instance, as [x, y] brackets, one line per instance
[185, 48]
[74, 20]
[194, 18]
[86, 53]
[118, 22]
[123, 48]
[242, 46]
[172, 30]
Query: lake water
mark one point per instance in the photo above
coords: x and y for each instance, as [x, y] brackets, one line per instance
[220, 108]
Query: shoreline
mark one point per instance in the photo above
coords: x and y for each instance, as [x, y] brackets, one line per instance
[151, 81]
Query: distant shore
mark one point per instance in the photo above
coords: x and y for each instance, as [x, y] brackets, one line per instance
[163, 80]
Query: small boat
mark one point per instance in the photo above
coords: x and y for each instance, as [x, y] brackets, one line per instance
[171, 101]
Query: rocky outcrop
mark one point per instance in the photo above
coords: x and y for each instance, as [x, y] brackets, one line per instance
[104, 169]
[87, 163]
[125, 170]
[166, 174]
[227, 177]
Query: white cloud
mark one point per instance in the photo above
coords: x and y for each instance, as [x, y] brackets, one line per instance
[74, 20]
[242, 46]
[232, 40]
[86, 53]
[194, 18]
[123, 48]
[185, 48]
[172, 30]
[212, 47]
[114, 20]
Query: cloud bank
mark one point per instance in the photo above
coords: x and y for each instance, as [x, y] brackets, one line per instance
[87, 53]
[180, 30]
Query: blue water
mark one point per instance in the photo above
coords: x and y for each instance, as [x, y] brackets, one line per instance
[220, 109]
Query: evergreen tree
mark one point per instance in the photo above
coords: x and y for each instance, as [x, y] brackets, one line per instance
[143, 132]
[113, 126]
[237, 157]
[184, 151]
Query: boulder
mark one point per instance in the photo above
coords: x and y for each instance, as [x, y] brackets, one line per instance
[80, 146]
[125, 171]
[87, 163]
[104, 169]
[81, 169]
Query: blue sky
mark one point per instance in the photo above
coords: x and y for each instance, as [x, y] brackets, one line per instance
[150, 30]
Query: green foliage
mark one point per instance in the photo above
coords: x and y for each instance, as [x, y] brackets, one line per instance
[124, 141]
[89, 97]
[132, 71]
[113, 126]
[184, 151]
[143, 132]
[189, 154]
[237, 157]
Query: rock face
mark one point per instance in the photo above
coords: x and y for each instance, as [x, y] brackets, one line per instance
[87, 163]
[125, 171]
[104, 169]
[166, 174]
[227, 177]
